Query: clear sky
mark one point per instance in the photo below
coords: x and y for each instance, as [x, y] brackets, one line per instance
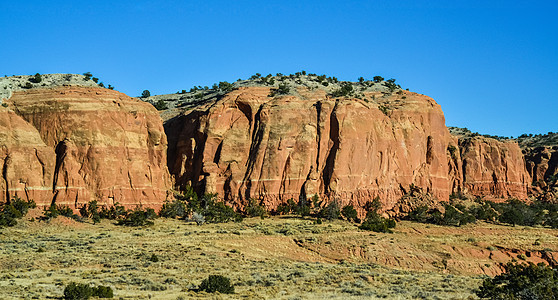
[492, 65]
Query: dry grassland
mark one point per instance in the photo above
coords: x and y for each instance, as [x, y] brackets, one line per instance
[275, 258]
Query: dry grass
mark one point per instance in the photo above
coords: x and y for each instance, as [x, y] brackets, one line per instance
[278, 258]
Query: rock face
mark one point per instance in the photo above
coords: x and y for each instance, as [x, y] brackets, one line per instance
[250, 145]
[68, 142]
[27, 163]
[70, 145]
[493, 169]
[542, 165]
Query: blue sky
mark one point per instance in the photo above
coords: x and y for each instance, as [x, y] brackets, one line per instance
[492, 65]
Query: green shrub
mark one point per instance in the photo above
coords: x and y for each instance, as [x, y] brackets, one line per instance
[513, 211]
[517, 212]
[286, 208]
[55, 210]
[390, 85]
[303, 208]
[160, 105]
[102, 291]
[82, 291]
[217, 283]
[219, 212]
[87, 75]
[91, 210]
[455, 217]
[176, 208]
[153, 258]
[225, 86]
[36, 78]
[254, 209]
[16, 208]
[114, 212]
[77, 291]
[484, 211]
[374, 221]
[145, 94]
[378, 78]
[138, 217]
[420, 214]
[212, 210]
[522, 281]
[283, 89]
[331, 211]
[345, 90]
[350, 213]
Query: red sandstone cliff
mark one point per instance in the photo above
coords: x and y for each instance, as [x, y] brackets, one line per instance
[250, 145]
[71, 145]
[74, 144]
[493, 169]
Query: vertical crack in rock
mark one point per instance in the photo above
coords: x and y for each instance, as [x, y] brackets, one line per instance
[5, 176]
[257, 137]
[60, 151]
[217, 156]
[318, 106]
[197, 164]
[130, 181]
[330, 161]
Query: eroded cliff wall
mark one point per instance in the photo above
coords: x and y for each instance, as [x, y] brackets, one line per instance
[493, 169]
[251, 145]
[74, 144]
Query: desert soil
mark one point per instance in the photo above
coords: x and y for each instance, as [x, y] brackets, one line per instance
[275, 258]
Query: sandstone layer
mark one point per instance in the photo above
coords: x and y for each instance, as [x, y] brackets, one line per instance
[248, 144]
[69, 145]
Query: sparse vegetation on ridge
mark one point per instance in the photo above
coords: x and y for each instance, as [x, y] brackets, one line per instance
[281, 84]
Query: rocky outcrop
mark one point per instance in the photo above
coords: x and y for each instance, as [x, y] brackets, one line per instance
[542, 165]
[248, 144]
[493, 169]
[74, 144]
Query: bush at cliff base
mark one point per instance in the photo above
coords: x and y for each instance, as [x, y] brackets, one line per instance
[15, 209]
[138, 217]
[522, 281]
